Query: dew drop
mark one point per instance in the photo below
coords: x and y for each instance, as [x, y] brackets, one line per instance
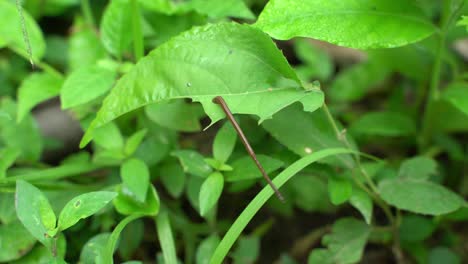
[308, 150]
[77, 203]
[188, 84]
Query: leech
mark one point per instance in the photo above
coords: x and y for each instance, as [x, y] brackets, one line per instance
[219, 100]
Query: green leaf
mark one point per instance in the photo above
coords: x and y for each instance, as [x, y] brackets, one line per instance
[135, 178]
[193, 190]
[363, 203]
[84, 85]
[210, 192]
[288, 128]
[173, 178]
[209, 61]
[443, 255]
[132, 143]
[355, 82]
[193, 162]
[418, 168]
[247, 250]
[375, 24]
[11, 33]
[166, 239]
[347, 241]
[414, 228]
[34, 211]
[82, 207]
[24, 136]
[457, 95]
[224, 142]
[321, 256]
[463, 22]
[92, 250]
[317, 61]
[109, 137]
[310, 193]
[35, 89]
[84, 49]
[205, 249]
[177, 115]
[116, 27]
[8, 157]
[339, 189]
[219, 9]
[261, 198]
[16, 241]
[43, 255]
[419, 196]
[388, 124]
[246, 169]
[7, 208]
[127, 206]
[448, 118]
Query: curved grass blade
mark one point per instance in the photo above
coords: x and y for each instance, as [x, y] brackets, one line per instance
[262, 197]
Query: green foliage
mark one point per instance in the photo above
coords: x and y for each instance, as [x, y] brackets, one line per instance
[138, 77]
[377, 24]
[344, 245]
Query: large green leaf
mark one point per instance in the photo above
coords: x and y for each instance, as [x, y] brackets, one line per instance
[11, 33]
[34, 211]
[82, 207]
[355, 82]
[421, 197]
[227, 8]
[305, 133]
[245, 168]
[205, 62]
[85, 84]
[15, 241]
[457, 95]
[418, 168]
[35, 89]
[24, 135]
[355, 24]
[345, 243]
[84, 49]
[390, 124]
[177, 115]
[116, 27]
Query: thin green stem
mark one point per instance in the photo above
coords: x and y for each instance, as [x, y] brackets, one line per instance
[447, 20]
[55, 173]
[373, 191]
[138, 46]
[87, 13]
[42, 65]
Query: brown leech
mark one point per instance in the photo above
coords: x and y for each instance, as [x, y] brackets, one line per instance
[219, 100]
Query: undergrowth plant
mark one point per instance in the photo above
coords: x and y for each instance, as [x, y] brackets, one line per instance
[366, 145]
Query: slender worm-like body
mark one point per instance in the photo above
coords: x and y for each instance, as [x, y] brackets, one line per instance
[219, 100]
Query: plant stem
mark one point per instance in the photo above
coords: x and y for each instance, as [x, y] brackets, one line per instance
[433, 95]
[373, 192]
[87, 13]
[53, 173]
[138, 46]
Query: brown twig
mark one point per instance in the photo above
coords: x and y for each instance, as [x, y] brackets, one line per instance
[219, 100]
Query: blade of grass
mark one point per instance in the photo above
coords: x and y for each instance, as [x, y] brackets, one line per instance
[262, 197]
[114, 237]
[166, 240]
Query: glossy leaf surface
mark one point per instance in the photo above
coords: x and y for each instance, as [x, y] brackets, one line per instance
[185, 67]
[363, 24]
